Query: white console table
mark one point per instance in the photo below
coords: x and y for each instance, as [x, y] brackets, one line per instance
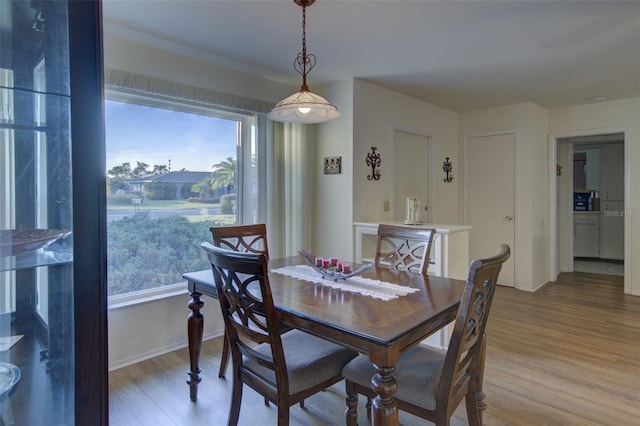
[449, 258]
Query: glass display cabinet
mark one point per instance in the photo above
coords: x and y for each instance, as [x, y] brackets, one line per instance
[52, 292]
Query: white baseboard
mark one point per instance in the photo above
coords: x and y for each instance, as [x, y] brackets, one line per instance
[158, 351]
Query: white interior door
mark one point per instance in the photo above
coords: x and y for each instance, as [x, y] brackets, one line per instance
[410, 174]
[490, 199]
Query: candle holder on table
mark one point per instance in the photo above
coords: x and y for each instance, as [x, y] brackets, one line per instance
[332, 268]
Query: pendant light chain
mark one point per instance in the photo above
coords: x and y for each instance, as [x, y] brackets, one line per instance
[304, 63]
[304, 48]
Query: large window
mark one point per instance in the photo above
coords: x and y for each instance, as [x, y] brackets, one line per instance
[173, 170]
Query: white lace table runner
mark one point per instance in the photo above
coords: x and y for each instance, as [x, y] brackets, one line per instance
[365, 286]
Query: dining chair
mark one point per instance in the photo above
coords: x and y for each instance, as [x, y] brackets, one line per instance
[242, 238]
[403, 247]
[285, 368]
[430, 383]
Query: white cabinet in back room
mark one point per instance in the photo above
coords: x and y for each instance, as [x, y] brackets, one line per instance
[612, 171]
[612, 238]
[586, 234]
[612, 201]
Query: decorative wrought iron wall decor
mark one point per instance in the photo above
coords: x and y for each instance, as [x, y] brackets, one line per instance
[447, 168]
[373, 161]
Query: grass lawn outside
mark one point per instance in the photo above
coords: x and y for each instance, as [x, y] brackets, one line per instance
[163, 204]
[221, 219]
[167, 205]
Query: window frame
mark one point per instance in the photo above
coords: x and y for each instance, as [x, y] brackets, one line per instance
[245, 140]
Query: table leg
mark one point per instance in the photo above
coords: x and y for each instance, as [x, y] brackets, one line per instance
[385, 409]
[195, 322]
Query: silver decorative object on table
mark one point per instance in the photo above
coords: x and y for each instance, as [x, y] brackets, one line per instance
[332, 271]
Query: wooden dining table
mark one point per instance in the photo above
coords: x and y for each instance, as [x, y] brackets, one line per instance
[379, 329]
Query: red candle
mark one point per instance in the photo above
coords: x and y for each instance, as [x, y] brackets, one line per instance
[346, 268]
[319, 261]
[340, 266]
[325, 263]
[334, 261]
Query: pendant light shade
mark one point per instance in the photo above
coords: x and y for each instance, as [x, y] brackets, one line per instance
[304, 106]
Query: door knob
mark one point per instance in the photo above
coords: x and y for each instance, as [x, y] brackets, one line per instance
[508, 218]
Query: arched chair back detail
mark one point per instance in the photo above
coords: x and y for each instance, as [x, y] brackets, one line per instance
[285, 367]
[430, 384]
[402, 247]
[242, 238]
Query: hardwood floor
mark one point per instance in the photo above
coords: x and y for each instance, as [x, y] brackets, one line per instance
[568, 354]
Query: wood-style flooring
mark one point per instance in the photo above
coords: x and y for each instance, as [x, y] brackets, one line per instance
[568, 354]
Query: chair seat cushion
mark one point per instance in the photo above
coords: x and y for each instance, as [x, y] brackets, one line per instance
[310, 360]
[417, 373]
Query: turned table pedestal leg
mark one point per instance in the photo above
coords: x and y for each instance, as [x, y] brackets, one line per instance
[195, 322]
[384, 408]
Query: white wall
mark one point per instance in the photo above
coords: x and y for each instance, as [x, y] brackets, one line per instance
[333, 204]
[613, 116]
[144, 330]
[370, 116]
[378, 113]
[529, 121]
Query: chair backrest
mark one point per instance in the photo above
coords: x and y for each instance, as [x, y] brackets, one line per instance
[403, 247]
[242, 238]
[465, 355]
[247, 307]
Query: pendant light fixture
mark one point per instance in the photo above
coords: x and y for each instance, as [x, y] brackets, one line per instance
[304, 106]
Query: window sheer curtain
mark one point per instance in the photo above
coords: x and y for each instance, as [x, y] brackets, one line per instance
[290, 153]
[285, 156]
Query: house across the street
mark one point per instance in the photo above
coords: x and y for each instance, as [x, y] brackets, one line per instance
[182, 179]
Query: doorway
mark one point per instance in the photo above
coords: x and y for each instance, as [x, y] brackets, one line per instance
[590, 202]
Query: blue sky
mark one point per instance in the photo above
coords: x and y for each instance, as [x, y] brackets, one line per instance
[153, 136]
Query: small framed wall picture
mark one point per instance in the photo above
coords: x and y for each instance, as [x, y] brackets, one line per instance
[332, 165]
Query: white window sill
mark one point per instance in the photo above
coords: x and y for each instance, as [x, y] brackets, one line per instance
[149, 295]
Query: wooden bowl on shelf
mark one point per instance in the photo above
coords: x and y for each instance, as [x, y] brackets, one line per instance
[16, 241]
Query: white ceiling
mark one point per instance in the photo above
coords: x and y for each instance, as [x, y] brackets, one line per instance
[461, 55]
